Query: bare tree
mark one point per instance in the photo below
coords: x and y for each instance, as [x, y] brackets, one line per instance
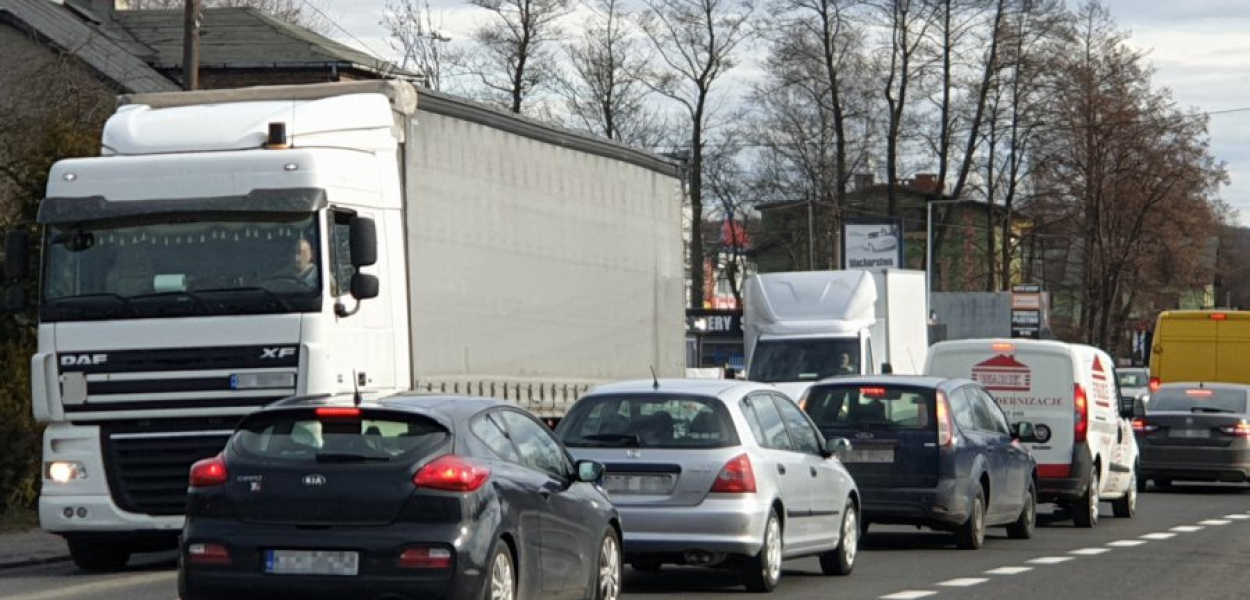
[908, 22]
[309, 14]
[695, 41]
[605, 90]
[418, 38]
[515, 55]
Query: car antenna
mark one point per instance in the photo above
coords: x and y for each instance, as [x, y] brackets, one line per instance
[655, 381]
[355, 389]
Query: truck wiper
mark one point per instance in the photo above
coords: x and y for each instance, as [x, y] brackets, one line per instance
[175, 294]
[246, 289]
[349, 457]
[620, 439]
[93, 301]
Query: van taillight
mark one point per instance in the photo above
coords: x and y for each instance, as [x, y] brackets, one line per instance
[1218, 316]
[1154, 384]
[946, 433]
[1082, 414]
[736, 477]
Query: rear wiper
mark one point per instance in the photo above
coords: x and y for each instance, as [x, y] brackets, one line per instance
[1208, 409]
[348, 457]
[623, 439]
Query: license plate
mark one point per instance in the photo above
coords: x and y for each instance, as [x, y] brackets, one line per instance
[1190, 433]
[867, 456]
[344, 563]
[638, 484]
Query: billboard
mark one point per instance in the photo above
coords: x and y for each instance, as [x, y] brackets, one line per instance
[872, 243]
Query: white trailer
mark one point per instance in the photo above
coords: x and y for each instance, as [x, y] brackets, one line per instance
[456, 248]
[800, 327]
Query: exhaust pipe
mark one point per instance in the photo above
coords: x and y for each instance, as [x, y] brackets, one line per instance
[701, 558]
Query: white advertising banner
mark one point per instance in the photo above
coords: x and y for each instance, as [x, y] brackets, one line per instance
[872, 244]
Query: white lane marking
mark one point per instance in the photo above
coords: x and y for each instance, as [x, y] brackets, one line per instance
[908, 595]
[1158, 536]
[1238, 517]
[1008, 570]
[964, 582]
[1089, 551]
[1214, 522]
[95, 588]
[1186, 528]
[1049, 560]
[1127, 543]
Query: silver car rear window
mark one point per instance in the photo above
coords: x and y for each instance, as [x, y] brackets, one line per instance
[648, 421]
[885, 406]
[1198, 400]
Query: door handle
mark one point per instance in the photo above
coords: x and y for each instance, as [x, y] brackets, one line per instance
[814, 471]
[546, 494]
[781, 469]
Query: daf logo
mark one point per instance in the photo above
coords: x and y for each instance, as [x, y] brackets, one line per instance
[314, 480]
[279, 352]
[75, 360]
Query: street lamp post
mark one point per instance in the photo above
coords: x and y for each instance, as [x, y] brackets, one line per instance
[928, 245]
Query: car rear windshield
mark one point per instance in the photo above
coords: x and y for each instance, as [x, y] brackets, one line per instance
[1198, 400]
[304, 435]
[882, 406]
[1132, 378]
[648, 421]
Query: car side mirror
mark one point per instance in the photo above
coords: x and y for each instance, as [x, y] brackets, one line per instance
[1024, 432]
[590, 471]
[364, 286]
[364, 241]
[836, 446]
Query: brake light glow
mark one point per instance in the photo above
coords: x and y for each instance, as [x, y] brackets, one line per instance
[1154, 384]
[209, 472]
[1081, 402]
[736, 477]
[1238, 430]
[946, 431]
[1202, 393]
[208, 554]
[425, 558]
[338, 411]
[872, 392]
[1141, 426]
[451, 473]
[1218, 316]
[1003, 347]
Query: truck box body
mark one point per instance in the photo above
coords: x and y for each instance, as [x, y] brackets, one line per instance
[513, 259]
[797, 325]
[1192, 346]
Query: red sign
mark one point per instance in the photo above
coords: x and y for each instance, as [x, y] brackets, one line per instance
[1003, 373]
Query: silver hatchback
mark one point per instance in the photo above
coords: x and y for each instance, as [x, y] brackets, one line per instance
[717, 472]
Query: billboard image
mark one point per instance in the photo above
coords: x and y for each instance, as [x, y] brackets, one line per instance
[872, 244]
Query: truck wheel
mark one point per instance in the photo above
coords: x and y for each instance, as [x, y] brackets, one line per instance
[1126, 506]
[841, 560]
[97, 555]
[1085, 510]
[1022, 528]
[764, 569]
[971, 534]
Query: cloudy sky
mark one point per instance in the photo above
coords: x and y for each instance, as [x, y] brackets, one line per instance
[1199, 48]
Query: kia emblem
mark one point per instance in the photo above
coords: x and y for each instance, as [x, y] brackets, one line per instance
[314, 480]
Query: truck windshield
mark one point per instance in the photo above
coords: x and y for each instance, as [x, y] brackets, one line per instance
[188, 266]
[804, 360]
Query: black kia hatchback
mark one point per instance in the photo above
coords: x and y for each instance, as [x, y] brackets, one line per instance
[407, 496]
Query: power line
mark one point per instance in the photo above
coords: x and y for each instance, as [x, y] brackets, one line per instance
[349, 34]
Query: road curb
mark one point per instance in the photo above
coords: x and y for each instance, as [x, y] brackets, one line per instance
[33, 562]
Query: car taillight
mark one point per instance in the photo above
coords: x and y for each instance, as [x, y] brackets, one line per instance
[1237, 430]
[1081, 414]
[208, 554]
[946, 432]
[209, 472]
[1141, 426]
[736, 477]
[451, 473]
[424, 558]
[1154, 384]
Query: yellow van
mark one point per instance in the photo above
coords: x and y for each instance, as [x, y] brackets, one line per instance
[1200, 346]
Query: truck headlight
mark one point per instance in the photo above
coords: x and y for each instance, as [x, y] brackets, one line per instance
[260, 381]
[63, 471]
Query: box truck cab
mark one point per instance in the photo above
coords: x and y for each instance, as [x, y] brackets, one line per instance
[1200, 345]
[801, 327]
[1085, 450]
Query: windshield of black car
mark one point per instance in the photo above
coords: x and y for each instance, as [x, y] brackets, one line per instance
[871, 405]
[648, 421]
[1197, 400]
[180, 266]
[303, 435]
[804, 359]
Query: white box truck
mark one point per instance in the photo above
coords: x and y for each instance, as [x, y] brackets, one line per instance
[234, 247]
[800, 327]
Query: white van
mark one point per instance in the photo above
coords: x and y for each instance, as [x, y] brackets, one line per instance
[1086, 453]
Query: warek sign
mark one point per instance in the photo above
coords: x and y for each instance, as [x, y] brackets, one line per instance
[1003, 373]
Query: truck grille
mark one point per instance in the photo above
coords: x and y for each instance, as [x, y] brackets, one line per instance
[148, 471]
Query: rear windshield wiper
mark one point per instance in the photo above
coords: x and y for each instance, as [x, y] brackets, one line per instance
[348, 457]
[615, 439]
[1208, 409]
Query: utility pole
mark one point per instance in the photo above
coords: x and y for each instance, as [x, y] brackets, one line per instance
[191, 45]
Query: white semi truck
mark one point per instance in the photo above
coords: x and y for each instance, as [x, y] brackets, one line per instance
[454, 248]
[800, 327]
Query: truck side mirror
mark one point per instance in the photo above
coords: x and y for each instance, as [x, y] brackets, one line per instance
[15, 255]
[364, 242]
[364, 286]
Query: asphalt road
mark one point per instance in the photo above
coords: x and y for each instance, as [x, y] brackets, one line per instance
[1191, 542]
